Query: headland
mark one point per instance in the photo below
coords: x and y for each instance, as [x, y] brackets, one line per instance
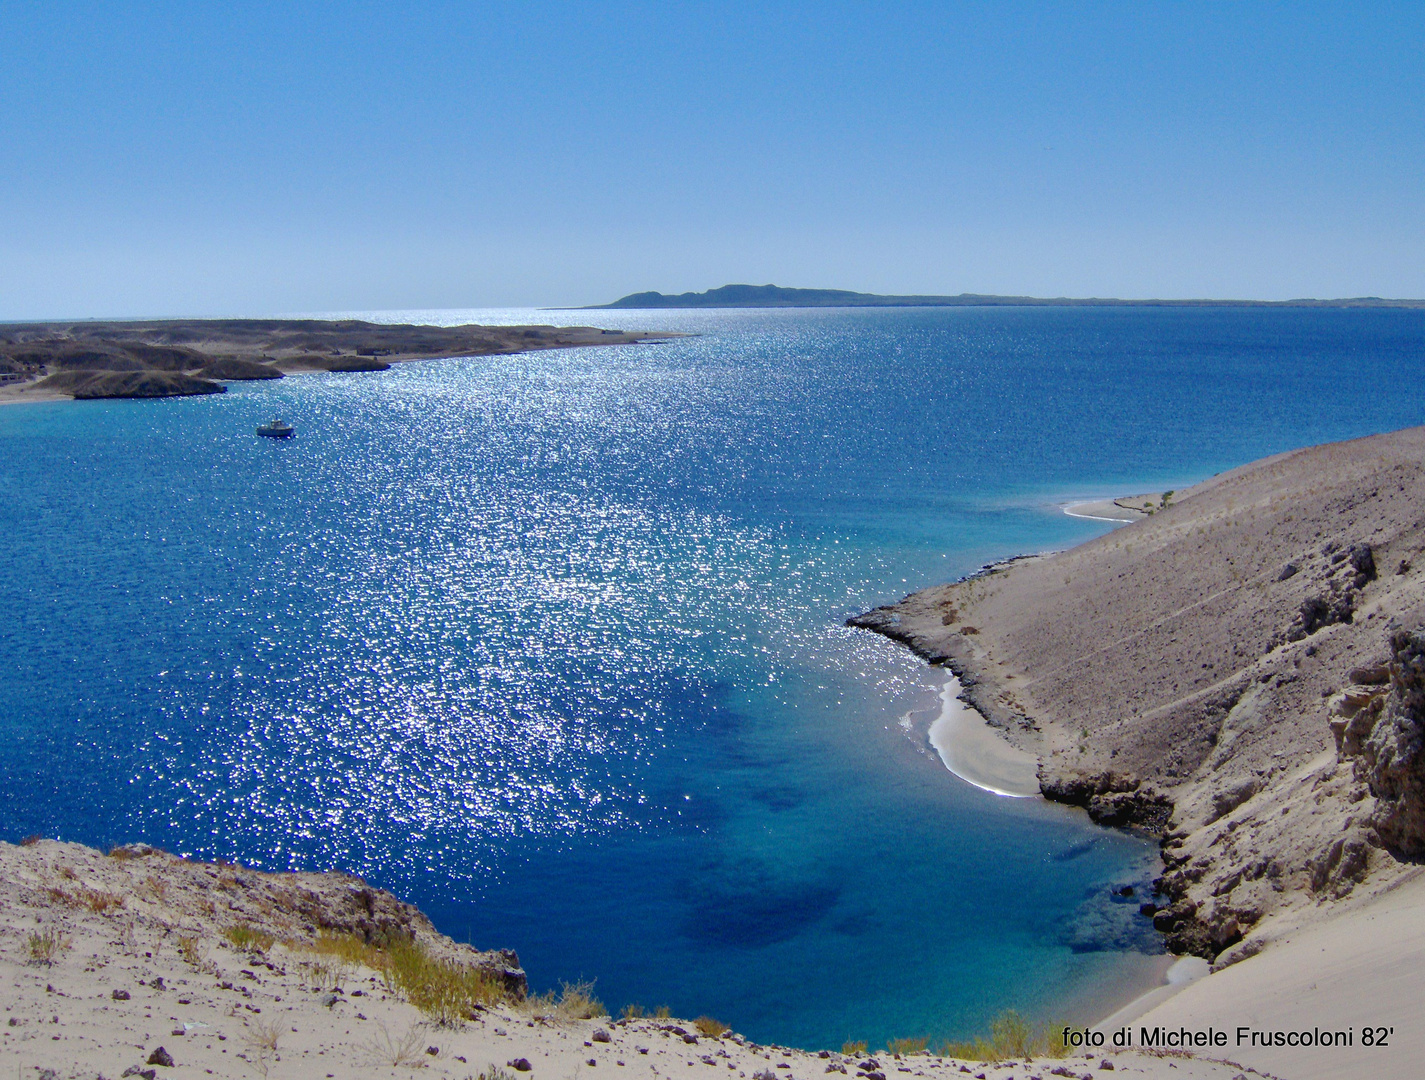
[182, 357]
[1242, 674]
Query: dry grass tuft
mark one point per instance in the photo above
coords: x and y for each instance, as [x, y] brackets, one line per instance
[404, 1051]
[349, 949]
[263, 1034]
[190, 950]
[101, 903]
[326, 974]
[1010, 1037]
[900, 1047]
[446, 992]
[31, 841]
[853, 1049]
[575, 1001]
[261, 1037]
[708, 1026]
[45, 945]
[634, 1011]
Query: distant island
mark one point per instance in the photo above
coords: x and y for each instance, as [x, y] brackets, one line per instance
[766, 296]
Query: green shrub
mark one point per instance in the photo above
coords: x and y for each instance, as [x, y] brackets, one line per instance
[45, 945]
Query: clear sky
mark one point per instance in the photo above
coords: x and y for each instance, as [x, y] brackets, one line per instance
[203, 158]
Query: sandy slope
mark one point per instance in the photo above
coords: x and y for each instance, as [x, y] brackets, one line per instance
[1364, 966]
[120, 988]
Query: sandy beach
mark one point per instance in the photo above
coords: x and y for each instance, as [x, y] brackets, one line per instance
[976, 753]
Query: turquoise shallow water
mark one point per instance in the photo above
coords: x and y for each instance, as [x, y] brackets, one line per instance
[551, 644]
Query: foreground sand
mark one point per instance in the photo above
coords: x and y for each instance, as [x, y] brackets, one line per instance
[1362, 966]
[120, 987]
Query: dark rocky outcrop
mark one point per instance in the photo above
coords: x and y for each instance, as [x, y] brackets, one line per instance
[1345, 571]
[1112, 800]
[1383, 733]
[356, 363]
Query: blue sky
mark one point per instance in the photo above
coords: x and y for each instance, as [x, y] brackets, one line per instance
[187, 159]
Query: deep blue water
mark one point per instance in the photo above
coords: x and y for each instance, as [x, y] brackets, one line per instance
[551, 644]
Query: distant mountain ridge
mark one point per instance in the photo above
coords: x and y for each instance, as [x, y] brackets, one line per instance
[760, 296]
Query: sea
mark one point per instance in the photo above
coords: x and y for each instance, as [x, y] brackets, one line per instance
[553, 644]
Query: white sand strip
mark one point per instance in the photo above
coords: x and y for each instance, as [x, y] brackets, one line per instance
[976, 753]
[1101, 510]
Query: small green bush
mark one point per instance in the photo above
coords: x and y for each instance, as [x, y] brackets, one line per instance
[45, 945]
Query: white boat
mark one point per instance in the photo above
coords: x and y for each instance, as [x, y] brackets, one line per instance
[276, 430]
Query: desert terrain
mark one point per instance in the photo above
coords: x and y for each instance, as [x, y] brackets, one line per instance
[174, 358]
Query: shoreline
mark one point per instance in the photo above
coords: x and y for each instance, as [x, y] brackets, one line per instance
[972, 750]
[1119, 509]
